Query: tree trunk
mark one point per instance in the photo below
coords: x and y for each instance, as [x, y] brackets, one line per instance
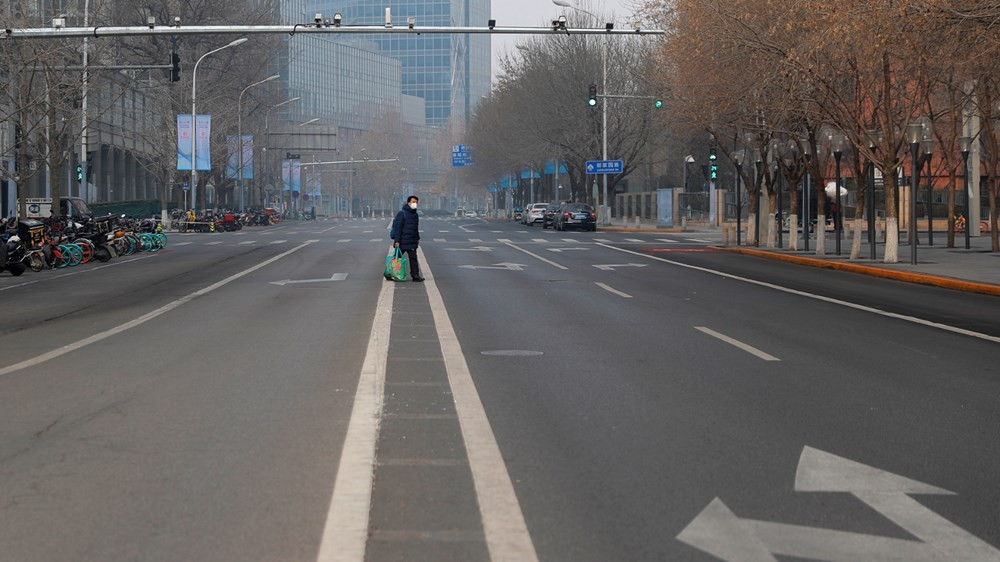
[859, 215]
[952, 178]
[891, 219]
[772, 230]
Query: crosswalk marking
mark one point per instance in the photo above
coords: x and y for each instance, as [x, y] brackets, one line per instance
[475, 240]
[247, 242]
[278, 241]
[632, 240]
[343, 240]
[667, 240]
[568, 240]
[605, 240]
[212, 243]
[540, 240]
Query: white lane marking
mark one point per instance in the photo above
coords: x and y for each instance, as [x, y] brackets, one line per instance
[668, 241]
[180, 243]
[632, 240]
[440, 240]
[615, 291]
[605, 240]
[444, 231]
[737, 343]
[327, 230]
[343, 240]
[279, 241]
[569, 239]
[142, 319]
[863, 308]
[504, 240]
[247, 242]
[82, 271]
[698, 240]
[345, 533]
[507, 537]
[475, 240]
[538, 257]
[367, 231]
[212, 243]
[540, 240]
[335, 277]
[375, 240]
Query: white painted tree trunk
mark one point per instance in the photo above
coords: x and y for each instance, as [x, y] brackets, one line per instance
[772, 231]
[751, 230]
[856, 241]
[891, 240]
[820, 235]
[793, 232]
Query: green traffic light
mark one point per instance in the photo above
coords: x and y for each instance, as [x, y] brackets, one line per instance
[591, 102]
[658, 104]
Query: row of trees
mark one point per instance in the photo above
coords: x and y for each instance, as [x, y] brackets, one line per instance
[42, 86]
[784, 80]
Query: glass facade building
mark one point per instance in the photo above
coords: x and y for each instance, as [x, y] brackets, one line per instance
[450, 72]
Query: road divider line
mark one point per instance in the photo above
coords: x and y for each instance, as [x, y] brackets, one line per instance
[345, 533]
[538, 257]
[507, 537]
[737, 343]
[861, 307]
[615, 291]
[37, 360]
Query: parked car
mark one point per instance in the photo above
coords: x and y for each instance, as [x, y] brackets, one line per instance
[549, 215]
[535, 213]
[576, 215]
[471, 214]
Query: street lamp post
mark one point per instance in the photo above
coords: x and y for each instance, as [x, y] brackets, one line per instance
[838, 153]
[964, 144]
[194, 119]
[874, 137]
[267, 140]
[758, 168]
[239, 121]
[687, 160]
[913, 131]
[738, 157]
[807, 210]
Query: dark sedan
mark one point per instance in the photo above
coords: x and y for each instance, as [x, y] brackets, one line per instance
[575, 215]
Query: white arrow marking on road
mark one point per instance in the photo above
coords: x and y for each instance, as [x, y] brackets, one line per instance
[612, 266]
[509, 266]
[472, 249]
[336, 277]
[720, 532]
[560, 250]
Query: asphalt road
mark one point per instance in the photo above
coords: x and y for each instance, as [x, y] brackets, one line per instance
[549, 395]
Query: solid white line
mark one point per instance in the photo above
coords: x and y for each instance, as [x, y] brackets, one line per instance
[615, 291]
[538, 257]
[737, 343]
[913, 319]
[142, 319]
[507, 537]
[345, 533]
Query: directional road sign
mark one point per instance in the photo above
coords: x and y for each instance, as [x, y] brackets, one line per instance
[604, 166]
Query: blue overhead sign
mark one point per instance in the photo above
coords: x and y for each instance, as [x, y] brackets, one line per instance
[461, 156]
[604, 166]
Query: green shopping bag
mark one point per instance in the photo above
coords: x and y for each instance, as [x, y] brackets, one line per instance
[395, 265]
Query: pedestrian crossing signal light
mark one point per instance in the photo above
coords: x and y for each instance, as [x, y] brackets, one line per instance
[592, 100]
[658, 104]
[713, 166]
[79, 172]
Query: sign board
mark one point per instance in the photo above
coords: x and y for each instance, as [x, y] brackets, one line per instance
[604, 166]
[461, 156]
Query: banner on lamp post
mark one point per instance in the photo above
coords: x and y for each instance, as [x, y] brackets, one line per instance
[286, 175]
[233, 163]
[203, 128]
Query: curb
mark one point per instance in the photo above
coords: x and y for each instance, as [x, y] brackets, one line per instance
[909, 277]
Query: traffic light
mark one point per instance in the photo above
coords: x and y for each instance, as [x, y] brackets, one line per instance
[713, 165]
[175, 70]
[592, 100]
[79, 172]
[658, 104]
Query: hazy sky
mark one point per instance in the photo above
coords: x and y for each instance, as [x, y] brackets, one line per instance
[533, 13]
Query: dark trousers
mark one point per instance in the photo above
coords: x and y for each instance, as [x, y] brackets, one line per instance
[411, 256]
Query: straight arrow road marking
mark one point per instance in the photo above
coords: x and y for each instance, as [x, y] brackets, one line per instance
[745, 347]
[336, 277]
[720, 532]
[505, 265]
[613, 266]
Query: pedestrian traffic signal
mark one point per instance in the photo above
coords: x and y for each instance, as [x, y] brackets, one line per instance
[658, 104]
[79, 172]
[175, 67]
[713, 165]
[592, 100]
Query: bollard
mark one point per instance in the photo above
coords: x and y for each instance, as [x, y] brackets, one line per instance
[684, 222]
[725, 237]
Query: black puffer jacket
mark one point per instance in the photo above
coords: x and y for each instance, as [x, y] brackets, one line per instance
[407, 228]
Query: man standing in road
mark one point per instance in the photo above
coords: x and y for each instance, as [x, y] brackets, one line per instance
[407, 229]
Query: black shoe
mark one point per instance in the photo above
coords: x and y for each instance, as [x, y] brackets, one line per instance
[418, 279]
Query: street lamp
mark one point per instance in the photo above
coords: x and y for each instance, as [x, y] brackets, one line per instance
[806, 203]
[913, 132]
[758, 168]
[687, 160]
[928, 145]
[837, 144]
[313, 120]
[267, 140]
[239, 121]
[964, 143]
[194, 120]
[738, 158]
[604, 104]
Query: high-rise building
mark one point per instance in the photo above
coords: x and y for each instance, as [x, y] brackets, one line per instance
[450, 72]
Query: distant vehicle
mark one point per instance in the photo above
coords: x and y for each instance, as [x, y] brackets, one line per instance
[470, 214]
[576, 215]
[535, 213]
[549, 215]
[460, 212]
[518, 213]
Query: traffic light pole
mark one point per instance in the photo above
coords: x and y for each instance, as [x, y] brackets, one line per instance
[84, 87]
[605, 219]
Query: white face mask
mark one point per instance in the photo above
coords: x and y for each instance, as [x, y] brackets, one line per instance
[413, 206]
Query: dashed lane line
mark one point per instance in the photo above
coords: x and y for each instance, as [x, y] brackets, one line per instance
[609, 289]
[737, 343]
[538, 257]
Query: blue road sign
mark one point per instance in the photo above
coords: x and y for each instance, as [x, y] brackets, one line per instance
[604, 166]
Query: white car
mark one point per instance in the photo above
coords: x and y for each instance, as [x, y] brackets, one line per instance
[470, 214]
[535, 213]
